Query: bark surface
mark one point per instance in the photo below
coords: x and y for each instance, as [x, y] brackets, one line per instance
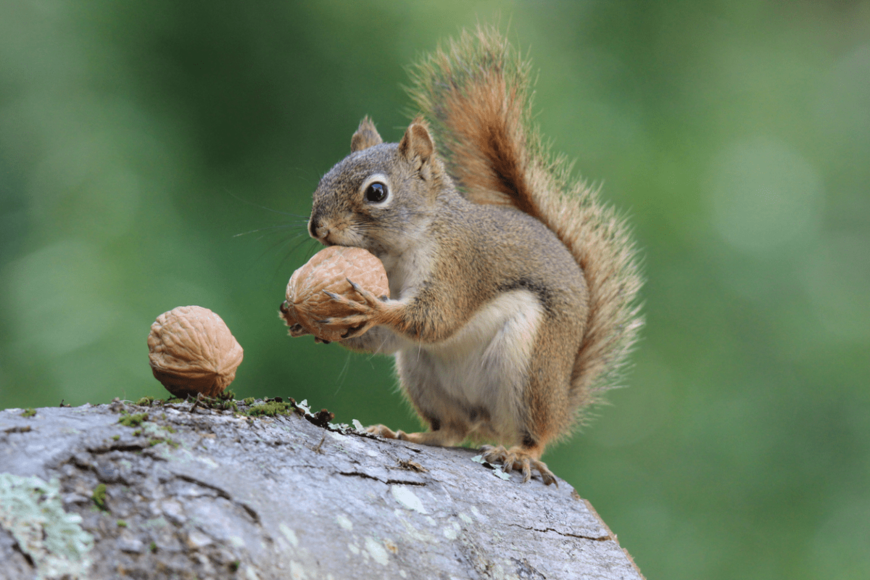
[105, 492]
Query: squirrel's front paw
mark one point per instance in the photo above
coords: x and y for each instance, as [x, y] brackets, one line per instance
[364, 313]
[518, 458]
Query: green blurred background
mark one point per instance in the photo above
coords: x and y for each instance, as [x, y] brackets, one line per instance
[137, 140]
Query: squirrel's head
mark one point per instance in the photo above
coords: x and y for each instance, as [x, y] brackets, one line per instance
[380, 194]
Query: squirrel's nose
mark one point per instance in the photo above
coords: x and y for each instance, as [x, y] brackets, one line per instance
[316, 229]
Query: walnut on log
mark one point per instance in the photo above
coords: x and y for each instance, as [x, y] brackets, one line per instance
[192, 351]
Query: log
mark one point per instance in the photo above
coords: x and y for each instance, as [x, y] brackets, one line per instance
[187, 491]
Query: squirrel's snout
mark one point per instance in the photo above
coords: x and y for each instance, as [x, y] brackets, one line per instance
[316, 229]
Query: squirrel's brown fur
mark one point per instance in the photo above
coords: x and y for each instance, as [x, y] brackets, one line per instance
[512, 295]
[476, 92]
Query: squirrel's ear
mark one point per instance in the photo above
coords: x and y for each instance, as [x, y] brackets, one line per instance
[417, 142]
[366, 136]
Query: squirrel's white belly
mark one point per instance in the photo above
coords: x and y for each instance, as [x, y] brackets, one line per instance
[484, 365]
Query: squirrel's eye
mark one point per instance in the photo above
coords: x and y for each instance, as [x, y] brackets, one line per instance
[376, 192]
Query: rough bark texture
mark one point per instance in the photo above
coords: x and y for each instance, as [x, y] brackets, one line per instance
[207, 494]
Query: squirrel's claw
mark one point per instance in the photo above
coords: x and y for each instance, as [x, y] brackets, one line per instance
[355, 331]
[518, 458]
[352, 320]
[363, 313]
[383, 431]
[370, 299]
[346, 302]
[387, 433]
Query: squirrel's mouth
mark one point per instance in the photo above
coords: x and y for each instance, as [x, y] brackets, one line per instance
[322, 237]
[332, 237]
[329, 240]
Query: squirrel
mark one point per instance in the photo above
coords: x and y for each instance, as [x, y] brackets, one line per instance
[513, 288]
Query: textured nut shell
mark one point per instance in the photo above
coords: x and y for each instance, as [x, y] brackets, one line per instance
[192, 351]
[329, 269]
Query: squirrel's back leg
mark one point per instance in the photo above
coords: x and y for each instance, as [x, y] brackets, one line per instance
[547, 402]
[505, 377]
[508, 382]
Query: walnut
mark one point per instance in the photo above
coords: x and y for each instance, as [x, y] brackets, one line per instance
[192, 351]
[329, 270]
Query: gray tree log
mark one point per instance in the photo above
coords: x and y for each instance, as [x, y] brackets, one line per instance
[210, 494]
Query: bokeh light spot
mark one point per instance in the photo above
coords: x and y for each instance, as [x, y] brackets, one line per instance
[764, 197]
[58, 298]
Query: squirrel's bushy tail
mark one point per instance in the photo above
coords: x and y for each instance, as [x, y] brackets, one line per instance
[476, 93]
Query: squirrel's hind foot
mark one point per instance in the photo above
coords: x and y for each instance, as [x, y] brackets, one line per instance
[442, 438]
[519, 458]
[385, 432]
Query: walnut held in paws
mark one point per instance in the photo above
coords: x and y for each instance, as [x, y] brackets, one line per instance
[307, 303]
[192, 351]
